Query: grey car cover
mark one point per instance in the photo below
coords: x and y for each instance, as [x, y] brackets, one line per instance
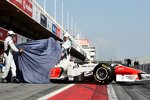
[38, 57]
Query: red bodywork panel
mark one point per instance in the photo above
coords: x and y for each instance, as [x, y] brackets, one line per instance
[126, 70]
[55, 72]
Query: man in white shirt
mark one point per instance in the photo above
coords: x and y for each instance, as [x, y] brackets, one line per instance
[9, 47]
[66, 44]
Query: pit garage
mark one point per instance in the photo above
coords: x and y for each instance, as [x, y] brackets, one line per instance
[12, 18]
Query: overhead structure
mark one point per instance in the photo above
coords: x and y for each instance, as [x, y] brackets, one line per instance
[29, 19]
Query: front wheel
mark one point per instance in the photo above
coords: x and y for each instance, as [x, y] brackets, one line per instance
[103, 73]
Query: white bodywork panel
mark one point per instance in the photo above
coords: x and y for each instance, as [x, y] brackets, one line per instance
[72, 69]
[132, 78]
[126, 78]
[145, 76]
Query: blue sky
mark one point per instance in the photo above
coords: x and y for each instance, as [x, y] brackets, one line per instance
[117, 28]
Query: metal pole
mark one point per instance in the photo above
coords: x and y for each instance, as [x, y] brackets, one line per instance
[55, 11]
[81, 35]
[78, 35]
[75, 30]
[44, 6]
[62, 15]
[68, 21]
[71, 26]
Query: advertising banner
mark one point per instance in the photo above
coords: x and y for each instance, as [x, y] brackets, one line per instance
[83, 42]
[54, 28]
[49, 24]
[58, 32]
[36, 13]
[15, 39]
[43, 20]
[24, 5]
[3, 35]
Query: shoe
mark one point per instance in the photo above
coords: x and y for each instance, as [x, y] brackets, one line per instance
[3, 80]
[15, 80]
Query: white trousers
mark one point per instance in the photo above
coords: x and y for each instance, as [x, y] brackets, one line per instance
[9, 63]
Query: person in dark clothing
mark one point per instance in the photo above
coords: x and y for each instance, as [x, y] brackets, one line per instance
[128, 62]
[136, 64]
[1, 62]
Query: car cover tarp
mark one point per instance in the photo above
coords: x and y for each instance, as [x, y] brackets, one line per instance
[38, 57]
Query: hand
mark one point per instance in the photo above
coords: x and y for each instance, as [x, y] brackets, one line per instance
[21, 50]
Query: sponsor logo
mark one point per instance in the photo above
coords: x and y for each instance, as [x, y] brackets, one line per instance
[130, 77]
[104, 65]
[53, 28]
[126, 78]
[19, 1]
[24, 5]
[43, 20]
[120, 68]
[1, 34]
[55, 72]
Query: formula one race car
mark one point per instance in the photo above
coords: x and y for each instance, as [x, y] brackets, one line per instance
[101, 73]
[128, 74]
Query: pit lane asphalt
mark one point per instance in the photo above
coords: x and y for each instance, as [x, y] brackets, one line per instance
[25, 91]
[132, 91]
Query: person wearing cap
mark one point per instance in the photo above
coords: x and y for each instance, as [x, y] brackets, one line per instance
[9, 48]
[66, 44]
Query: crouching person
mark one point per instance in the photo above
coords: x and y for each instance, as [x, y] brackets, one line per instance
[9, 47]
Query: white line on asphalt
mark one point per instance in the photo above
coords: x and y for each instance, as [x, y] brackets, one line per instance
[111, 93]
[56, 92]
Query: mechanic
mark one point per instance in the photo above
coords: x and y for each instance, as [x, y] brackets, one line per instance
[9, 47]
[136, 64]
[1, 62]
[66, 45]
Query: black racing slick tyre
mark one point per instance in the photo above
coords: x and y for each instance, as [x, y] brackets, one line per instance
[103, 73]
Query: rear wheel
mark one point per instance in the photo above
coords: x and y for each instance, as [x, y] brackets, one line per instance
[103, 73]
